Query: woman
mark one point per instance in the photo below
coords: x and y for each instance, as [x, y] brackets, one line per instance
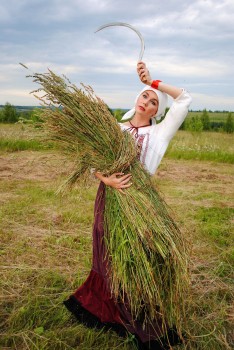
[93, 303]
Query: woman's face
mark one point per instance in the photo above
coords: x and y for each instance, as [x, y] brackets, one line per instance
[147, 104]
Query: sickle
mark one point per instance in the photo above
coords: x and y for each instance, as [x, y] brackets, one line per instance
[129, 26]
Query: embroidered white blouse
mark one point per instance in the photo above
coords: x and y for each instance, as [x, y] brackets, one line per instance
[154, 139]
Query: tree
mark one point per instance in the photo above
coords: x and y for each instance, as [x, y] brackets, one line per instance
[110, 110]
[118, 114]
[1, 116]
[183, 126]
[205, 119]
[229, 125]
[9, 114]
[194, 124]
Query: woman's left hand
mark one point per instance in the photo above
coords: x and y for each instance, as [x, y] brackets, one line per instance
[144, 73]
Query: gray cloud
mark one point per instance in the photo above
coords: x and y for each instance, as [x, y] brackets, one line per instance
[187, 44]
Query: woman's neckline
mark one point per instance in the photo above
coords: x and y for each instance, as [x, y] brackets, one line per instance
[138, 127]
[131, 125]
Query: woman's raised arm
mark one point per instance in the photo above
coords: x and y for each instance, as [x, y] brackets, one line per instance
[145, 77]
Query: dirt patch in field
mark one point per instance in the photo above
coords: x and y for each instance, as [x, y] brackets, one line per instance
[6, 196]
[199, 183]
[42, 166]
[26, 165]
[196, 171]
[51, 166]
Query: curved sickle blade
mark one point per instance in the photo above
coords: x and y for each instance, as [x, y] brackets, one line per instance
[129, 26]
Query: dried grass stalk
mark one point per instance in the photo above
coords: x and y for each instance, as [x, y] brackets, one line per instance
[148, 259]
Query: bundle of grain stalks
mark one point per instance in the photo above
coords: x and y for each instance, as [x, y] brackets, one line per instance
[147, 255]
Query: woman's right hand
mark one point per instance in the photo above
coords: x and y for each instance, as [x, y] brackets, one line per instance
[118, 181]
[144, 73]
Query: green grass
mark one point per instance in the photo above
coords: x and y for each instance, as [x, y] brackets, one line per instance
[200, 194]
[42, 236]
[22, 145]
[208, 146]
[46, 248]
[17, 137]
[203, 146]
[217, 223]
[39, 320]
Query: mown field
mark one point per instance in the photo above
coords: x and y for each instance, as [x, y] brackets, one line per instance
[46, 241]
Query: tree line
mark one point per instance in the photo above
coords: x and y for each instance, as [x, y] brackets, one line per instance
[203, 122]
[9, 114]
[198, 122]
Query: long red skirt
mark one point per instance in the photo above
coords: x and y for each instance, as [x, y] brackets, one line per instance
[93, 304]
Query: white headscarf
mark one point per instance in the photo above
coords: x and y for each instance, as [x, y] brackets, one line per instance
[162, 104]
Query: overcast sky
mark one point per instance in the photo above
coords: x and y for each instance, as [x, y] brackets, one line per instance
[187, 43]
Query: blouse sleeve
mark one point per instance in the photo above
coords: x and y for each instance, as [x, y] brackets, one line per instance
[175, 116]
